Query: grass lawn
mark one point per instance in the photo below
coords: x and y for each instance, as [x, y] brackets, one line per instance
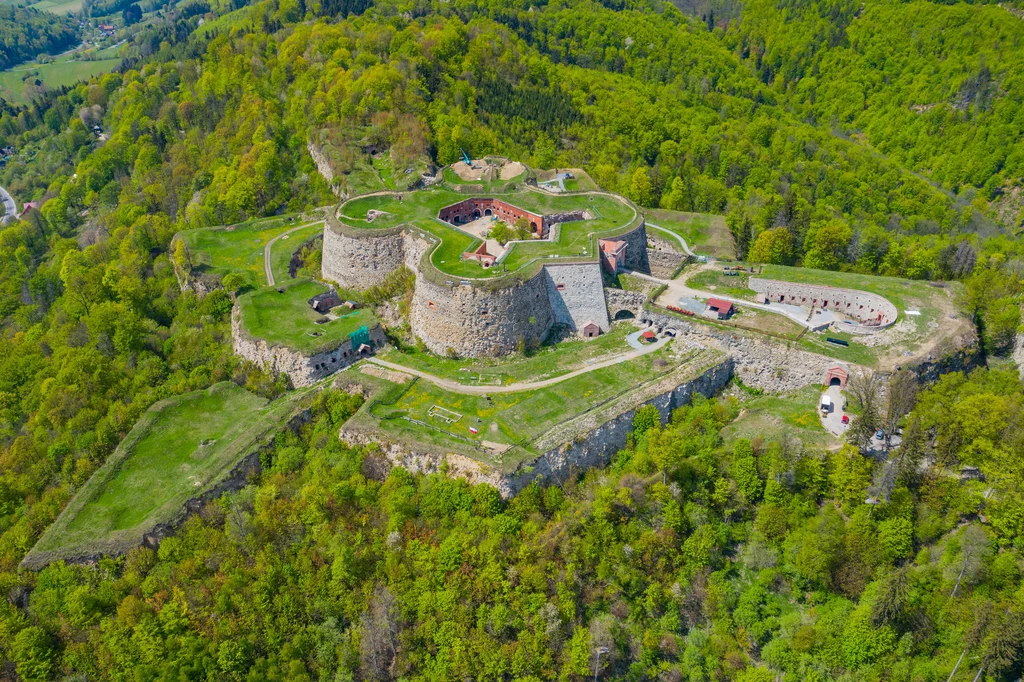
[239, 248]
[285, 318]
[58, 6]
[282, 250]
[767, 416]
[704, 233]
[64, 70]
[517, 419]
[419, 209]
[765, 322]
[548, 361]
[714, 280]
[180, 448]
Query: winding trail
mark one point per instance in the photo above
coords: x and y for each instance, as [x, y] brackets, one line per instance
[266, 251]
[10, 208]
[679, 238]
[455, 386]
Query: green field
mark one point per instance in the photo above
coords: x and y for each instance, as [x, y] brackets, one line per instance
[547, 362]
[767, 416]
[239, 248]
[716, 281]
[525, 420]
[281, 316]
[180, 448]
[420, 209]
[281, 251]
[58, 6]
[704, 233]
[64, 70]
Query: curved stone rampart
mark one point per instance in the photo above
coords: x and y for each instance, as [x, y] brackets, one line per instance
[871, 310]
[360, 262]
[471, 321]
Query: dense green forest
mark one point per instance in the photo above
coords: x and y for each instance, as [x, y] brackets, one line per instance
[877, 138]
[26, 33]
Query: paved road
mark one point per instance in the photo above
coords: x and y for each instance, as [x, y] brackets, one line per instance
[10, 208]
[266, 252]
[678, 238]
[678, 288]
[833, 423]
[455, 386]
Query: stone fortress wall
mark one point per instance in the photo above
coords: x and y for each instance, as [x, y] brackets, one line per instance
[303, 370]
[476, 320]
[360, 262]
[871, 310]
[576, 295]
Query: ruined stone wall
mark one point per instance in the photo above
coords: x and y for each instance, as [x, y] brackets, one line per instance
[576, 295]
[619, 299]
[860, 305]
[474, 321]
[636, 249]
[359, 262]
[664, 264]
[303, 370]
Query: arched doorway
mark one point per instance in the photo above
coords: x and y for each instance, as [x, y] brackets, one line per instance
[476, 213]
[625, 315]
[457, 219]
[487, 211]
[533, 227]
[836, 381]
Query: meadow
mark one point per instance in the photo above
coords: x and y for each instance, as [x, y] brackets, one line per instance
[180, 448]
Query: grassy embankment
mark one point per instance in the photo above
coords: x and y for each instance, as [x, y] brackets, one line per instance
[281, 316]
[180, 448]
[704, 233]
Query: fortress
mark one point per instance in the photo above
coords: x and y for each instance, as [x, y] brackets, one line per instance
[489, 303]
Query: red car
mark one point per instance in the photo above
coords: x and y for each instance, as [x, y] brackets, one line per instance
[846, 419]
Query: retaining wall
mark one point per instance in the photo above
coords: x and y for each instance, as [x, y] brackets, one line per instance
[860, 305]
[303, 370]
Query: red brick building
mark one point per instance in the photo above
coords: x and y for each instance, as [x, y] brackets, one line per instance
[469, 210]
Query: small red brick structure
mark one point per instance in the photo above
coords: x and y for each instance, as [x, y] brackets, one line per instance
[613, 254]
[649, 336]
[590, 330]
[721, 307]
[836, 376]
[480, 254]
[470, 209]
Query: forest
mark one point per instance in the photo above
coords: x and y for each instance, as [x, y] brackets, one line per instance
[881, 138]
[26, 33]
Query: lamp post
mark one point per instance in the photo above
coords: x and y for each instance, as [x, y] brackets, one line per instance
[597, 663]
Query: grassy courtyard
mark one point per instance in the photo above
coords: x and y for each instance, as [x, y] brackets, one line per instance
[239, 248]
[281, 316]
[434, 419]
[420, 209]
[180, 448]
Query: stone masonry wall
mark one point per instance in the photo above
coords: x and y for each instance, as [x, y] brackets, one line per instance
[474, 322]
[576, 295]
[860, 305]
[619, 299]
[303, 370]
[636, 249]
[361, 262]
[664, 264]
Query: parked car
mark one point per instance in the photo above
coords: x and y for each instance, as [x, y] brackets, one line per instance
[879, 434]
[846, 419]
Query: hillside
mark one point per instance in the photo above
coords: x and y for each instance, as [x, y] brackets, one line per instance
[833, 143]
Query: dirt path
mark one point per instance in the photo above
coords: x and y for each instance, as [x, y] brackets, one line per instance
[456, 387]
[678, 237]
[266, 251]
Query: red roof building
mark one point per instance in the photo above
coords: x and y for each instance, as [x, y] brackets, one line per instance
[723, 308]
[648, 336]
